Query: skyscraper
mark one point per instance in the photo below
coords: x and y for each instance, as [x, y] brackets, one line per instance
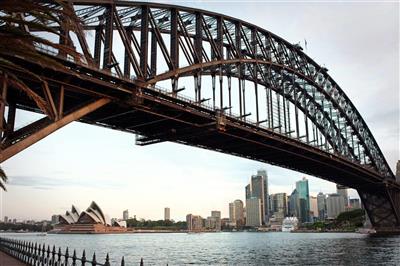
[342, 191]
[258, 188]
[293, 203]
[253, 212]
[303, 200]
[236, 213]
[279, 204]
[321, 202]
[248, 191]
[125, 215]
[167, 214]
[263, 173]
[194, 222]
[334, 205]
[313, 208]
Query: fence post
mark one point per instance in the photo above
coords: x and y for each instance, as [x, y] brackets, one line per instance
[107, 263]
[83, 258]
[141, 262]
[94, 259]
[66, 257]
[123, 261]
[74, 258]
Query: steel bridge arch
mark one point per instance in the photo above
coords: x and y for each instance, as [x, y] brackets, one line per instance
[303, 67]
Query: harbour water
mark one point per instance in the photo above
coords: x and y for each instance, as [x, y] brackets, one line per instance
[237, 248]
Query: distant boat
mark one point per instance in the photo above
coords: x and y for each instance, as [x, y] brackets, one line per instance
[289, 224]
[42, 234]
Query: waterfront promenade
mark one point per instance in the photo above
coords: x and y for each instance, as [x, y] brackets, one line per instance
[9, 261]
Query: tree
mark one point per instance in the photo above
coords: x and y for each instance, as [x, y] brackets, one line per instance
[3, 179]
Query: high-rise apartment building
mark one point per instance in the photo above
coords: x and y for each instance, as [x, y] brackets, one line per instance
[321, 202]
[167, 214]
[236, 213]
[303, 200]
[253, 212]
[5, 219]
[194, 222]
[342, 191]
[213, 222]
[125, 215]
[334, 205]
[55, 219]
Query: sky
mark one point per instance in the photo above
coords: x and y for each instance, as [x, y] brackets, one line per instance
[357, 41]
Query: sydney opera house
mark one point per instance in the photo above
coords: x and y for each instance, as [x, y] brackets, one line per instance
[92, 221]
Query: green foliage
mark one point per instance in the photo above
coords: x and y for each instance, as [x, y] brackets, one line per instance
[160, 224]
[25, 227]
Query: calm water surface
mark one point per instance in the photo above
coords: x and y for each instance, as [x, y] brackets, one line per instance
[239, 248]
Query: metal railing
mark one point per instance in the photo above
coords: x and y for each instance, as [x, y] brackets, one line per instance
[38, 255]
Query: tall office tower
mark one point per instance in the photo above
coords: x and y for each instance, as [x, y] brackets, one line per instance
[55, 219]
[279, 205]
[125, 215]
[5, 219]
[257, 191]
[342, 191]
[263, 173]
[216, 218]
[253, 212]
[313, 208]
[167, 214]
[303, 201]
[232, 212]
[334, 205]
[321, 202]
[398, 171]
[293, 204]
[248, 191]
[239, 212]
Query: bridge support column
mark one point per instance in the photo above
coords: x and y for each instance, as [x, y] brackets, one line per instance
[383, 208]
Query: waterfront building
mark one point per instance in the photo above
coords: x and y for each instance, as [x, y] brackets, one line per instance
[92, 220]
[342, 191]
[253, 212]
[213, 222]
[279, 205]
[334, 205]
[125, 215]
[232, 213]
[303, 201]
[258, 188]
[54, 219]
[5, 219]
[236, 213]
[355, 204]
[321, 202]
[314, 208]
[194, 222]
[167, 214]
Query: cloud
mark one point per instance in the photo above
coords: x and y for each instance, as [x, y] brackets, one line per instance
[46, 183]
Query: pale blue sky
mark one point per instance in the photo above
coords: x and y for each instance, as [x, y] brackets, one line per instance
[359, 44]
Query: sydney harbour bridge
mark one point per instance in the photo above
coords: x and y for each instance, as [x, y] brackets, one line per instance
[189, 76]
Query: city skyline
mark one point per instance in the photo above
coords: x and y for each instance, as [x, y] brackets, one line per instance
[92, 163]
